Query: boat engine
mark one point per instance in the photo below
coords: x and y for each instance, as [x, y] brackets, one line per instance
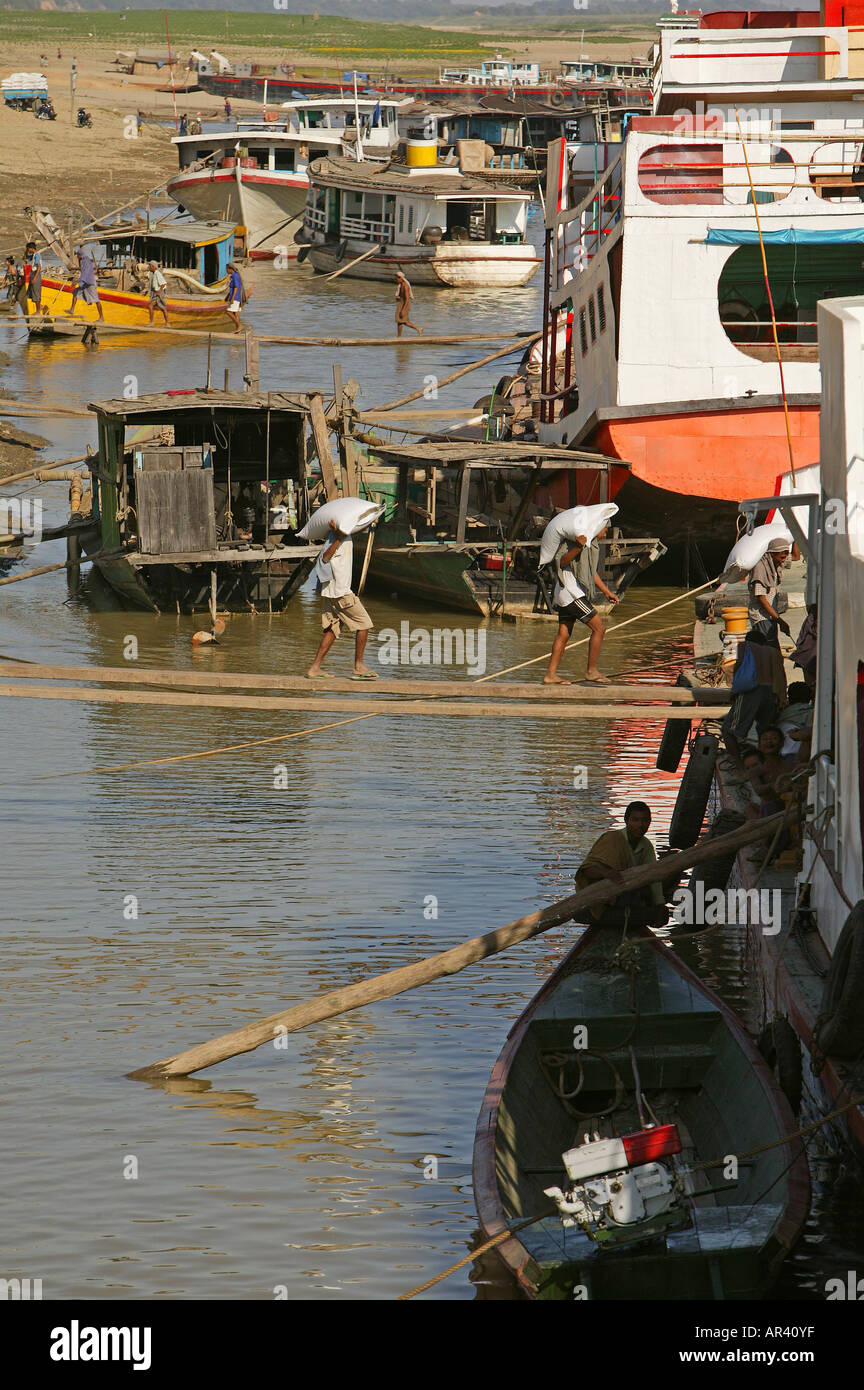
[618, 1191]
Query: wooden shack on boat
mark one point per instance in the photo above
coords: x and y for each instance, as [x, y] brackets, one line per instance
[464, 518]
[185, 486]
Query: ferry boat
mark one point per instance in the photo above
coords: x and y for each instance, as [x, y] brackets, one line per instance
[436, 224]
[193, 257]
[659, 344]
[257, 175]
[810, 970]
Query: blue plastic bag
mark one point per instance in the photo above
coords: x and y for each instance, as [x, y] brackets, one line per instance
[744, 678]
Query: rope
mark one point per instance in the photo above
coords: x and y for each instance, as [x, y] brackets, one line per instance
[617, 628]
[207, 753]
[770, 299]
[801, 1133]
[475, 1254]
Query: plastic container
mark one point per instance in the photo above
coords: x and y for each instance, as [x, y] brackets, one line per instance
[734, 619]
[421, 154]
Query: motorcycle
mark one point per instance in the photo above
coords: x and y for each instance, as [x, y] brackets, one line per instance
[44, 110]
[84, 117]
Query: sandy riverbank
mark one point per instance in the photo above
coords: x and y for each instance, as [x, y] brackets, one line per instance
[82, 174]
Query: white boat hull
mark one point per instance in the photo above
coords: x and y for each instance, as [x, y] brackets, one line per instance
[454, 265]
[269, 205]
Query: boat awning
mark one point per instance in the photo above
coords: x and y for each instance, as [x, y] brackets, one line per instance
[820, 236]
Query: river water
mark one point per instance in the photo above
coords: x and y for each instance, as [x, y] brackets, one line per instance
[150, 908]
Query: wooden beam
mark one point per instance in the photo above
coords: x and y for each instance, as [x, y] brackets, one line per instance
[423, 972]
[339, 704]
[321, 435]
[453, 689]
[464, 490]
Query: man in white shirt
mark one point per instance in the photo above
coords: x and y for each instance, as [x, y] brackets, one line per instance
[156, 287]
[342, 608]
[572, 603]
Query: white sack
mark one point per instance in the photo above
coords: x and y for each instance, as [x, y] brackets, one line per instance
[577, 521]
[351, 514]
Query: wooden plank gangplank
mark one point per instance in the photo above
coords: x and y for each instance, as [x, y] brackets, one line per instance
[340, 704]
[461, 689]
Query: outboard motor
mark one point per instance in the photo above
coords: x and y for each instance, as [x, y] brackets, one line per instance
[619, 1192]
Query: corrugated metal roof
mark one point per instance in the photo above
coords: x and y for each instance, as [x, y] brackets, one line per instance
[166, 403]
[445, 181]
[190, 233]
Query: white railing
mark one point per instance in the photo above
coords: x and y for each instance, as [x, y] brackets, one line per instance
[367, 228]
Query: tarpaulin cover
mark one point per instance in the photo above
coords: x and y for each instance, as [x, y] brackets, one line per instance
[722, 236]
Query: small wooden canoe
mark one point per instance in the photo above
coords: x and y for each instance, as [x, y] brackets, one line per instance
[698, 1071]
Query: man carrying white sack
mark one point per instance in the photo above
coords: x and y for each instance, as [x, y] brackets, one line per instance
[573, 604]
[762, 587]
[342, 608]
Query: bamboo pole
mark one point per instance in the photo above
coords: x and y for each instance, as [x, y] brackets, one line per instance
[423, 972]
[341, 271]
[39, 468]
[464, 708]
[43, 569]
[240, 680]
[454, 376]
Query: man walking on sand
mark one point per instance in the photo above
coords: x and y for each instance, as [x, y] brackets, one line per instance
[404, 295]
[342, 608]
[573, 603]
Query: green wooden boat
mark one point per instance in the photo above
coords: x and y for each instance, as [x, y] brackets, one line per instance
[667, 1080]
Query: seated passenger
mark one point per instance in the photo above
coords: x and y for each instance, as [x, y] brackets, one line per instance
[608, 857]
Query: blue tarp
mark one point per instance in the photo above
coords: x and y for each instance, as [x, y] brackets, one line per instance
[721, 236]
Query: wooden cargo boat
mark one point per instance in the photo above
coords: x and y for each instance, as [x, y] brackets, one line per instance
[193, 257]
[656, 1027]
[463, 521]
[186, 515]
[436, 224]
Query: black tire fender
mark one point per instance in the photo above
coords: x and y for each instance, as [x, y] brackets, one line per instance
[340, 254]
[839, 1030]
[693, 793]
[779, 1044]
[302, 253]
[674, 739]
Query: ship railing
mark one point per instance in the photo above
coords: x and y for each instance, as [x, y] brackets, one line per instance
[367, 228]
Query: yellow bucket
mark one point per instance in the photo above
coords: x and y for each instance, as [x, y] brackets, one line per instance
[421, 154]
[734, 619]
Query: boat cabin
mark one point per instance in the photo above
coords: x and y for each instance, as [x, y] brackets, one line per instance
[399, 204]
[197, 492]
[199, 250]
[284, 140]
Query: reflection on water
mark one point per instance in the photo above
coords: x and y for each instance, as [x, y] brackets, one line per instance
[150, 909]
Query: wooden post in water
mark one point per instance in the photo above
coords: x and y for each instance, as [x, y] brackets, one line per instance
[252, 375]
[423, 972]
[321, 435]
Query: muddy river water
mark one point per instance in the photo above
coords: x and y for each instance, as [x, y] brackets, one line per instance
[149, 908]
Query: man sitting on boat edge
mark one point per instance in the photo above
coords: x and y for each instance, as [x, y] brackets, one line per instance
[608, 857]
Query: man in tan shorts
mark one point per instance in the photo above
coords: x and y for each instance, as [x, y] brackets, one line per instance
[342, 608]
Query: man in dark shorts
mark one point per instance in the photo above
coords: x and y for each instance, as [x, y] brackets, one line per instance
[86, 288]
[33, 275]
[573, 606]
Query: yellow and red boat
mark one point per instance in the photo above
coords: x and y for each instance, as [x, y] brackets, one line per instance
[193, 257]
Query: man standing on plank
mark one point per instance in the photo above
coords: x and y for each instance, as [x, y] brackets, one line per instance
[341, 606]
[573, 603]
[33, 275]
[236, 296]
[86, 287]
[157, 286]
[404, 295]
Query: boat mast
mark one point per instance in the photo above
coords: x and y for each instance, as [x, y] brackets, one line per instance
[357, 122]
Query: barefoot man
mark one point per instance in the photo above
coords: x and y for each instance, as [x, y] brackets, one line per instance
[342, 608]
[404, 295]
[573, 603]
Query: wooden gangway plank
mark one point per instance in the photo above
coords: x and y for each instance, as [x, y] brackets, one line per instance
[584, 693]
